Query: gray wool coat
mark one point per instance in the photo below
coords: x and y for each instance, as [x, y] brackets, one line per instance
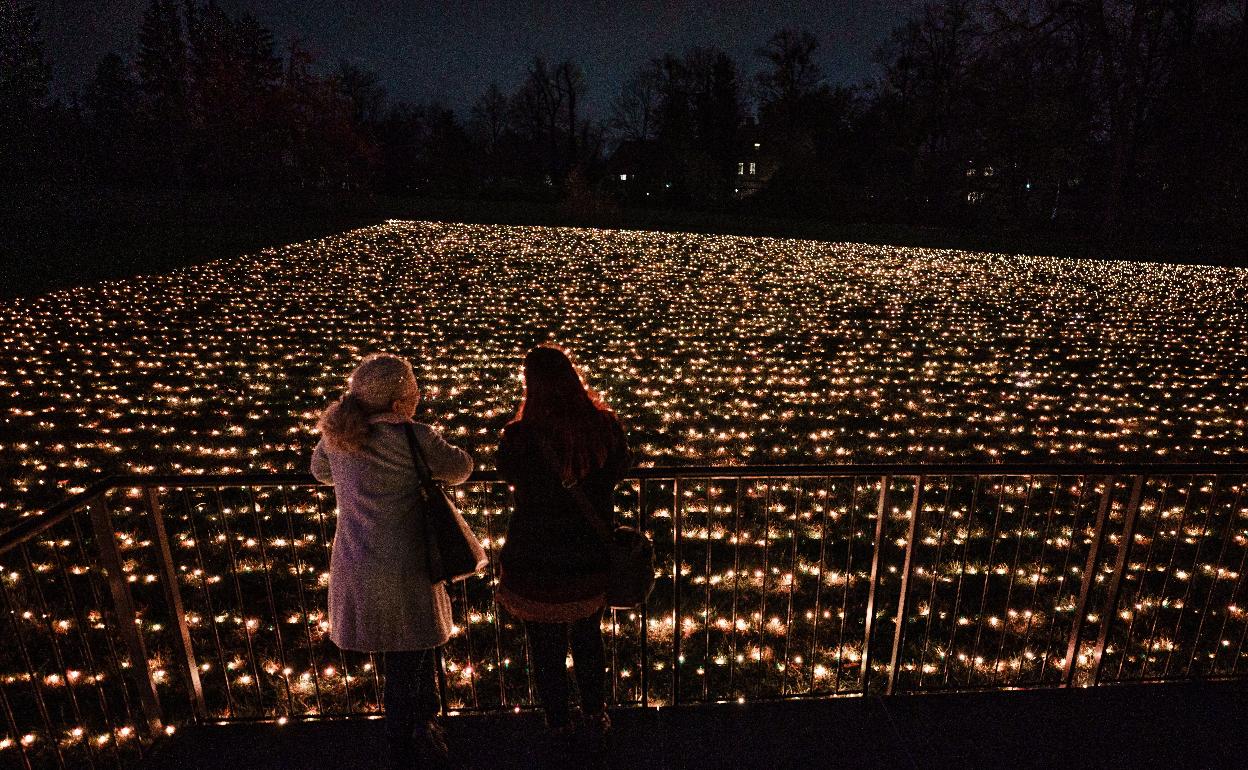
[380, 596]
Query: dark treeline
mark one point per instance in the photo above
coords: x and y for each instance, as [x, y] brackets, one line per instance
[1110, 120]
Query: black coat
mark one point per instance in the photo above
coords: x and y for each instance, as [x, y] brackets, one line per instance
[553, 554]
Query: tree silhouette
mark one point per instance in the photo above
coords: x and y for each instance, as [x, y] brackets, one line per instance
[23, 89]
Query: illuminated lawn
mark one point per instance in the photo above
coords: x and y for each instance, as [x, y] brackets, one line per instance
[713, 350]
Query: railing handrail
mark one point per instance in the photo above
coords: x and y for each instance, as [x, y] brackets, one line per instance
[33, 525]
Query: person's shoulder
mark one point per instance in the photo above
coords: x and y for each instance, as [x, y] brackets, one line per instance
[517, 429]
[611, 420]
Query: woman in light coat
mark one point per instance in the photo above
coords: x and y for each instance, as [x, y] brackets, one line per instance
[380, 595]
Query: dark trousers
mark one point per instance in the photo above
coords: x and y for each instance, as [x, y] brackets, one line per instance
[411, 695]
[548, 643]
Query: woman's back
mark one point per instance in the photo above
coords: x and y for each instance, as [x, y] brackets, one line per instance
[380, 595]
[552, 552]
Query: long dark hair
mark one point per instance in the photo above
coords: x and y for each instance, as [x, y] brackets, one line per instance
[557, 402]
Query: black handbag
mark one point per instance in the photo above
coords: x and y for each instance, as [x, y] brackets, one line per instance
[630, 552]
[454, 552]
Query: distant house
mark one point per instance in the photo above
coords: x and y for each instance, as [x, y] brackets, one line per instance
[635, 171]
[757, 162]
[981, 180]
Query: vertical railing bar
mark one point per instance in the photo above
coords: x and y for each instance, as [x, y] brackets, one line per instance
[440, 672]
[615, 666]
[472, 664]
[1165, 583]
[677, 526]
[8, 711]
[1089, 575]
[615, 624]
[1052, 630]
[1148, 560]
[123, 605]
[212, 612]
[1187, 592]
[899, 628]
[849, 556]
[498, 633]
[238, 595]
[762, 599]
[80, 623]
[1035, 586]
[788, 620]
[173, 592]
[931, 597]
[869, 621]
[98, 597]
[1023, 520]
[36, 681]
[528, 667]
[1239, 578]
[268, 590]
[957, 596]
[642, 524]
[325, 553]
[1204, 613]
[736, 582]
[1115, 579]
[706, 618]
[994, 531]
[1239, 649]
[58, 658]
[303, 604]
[823, 570]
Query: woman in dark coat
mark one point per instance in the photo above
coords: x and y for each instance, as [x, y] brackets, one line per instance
[554, 564]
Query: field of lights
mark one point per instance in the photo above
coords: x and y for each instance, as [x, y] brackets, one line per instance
[713, 349]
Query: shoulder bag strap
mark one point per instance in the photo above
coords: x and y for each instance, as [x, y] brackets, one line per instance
[424, 480]
[418, 458]
[574, 490]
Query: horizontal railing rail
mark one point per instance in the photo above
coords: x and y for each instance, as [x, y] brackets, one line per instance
[149, 601]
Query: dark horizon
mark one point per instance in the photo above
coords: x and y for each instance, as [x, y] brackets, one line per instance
[424, 53]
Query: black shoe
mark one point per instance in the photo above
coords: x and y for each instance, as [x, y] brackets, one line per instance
[594, 730]
[430, 740]
[557, 748]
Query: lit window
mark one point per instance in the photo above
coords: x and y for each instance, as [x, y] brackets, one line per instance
[757, 145]
[623, 177]
[740, 168]
[752, 169]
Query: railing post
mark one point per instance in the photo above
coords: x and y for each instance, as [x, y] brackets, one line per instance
[645, 606]
[1115, 580]
[677, 524]
[899, 630]
[869, 626]
[173, 591]
[1089, 574]
[440, 670]
[123, 606]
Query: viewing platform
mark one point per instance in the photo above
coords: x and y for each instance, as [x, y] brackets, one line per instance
[874, 615]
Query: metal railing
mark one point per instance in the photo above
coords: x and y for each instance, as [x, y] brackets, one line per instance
[146, 602]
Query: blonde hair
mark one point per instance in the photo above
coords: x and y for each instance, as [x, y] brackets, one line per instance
[374, 386]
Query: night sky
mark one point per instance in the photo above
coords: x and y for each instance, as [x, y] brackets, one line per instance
[453, 50]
